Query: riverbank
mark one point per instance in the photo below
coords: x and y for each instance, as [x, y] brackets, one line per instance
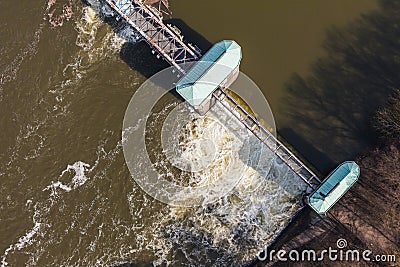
[366, 217]
[351, 87]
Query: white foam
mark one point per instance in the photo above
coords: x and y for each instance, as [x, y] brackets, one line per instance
[23, 241]
[10, 71]
[93, 44]
[79, 179]
[252, 214]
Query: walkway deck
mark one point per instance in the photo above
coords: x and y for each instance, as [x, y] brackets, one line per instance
[266, 137]
[165, 40]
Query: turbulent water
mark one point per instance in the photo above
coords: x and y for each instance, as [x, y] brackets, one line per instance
[67, 197]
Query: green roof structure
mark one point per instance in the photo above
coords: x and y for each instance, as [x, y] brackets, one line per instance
[209, 72]
[334, 187]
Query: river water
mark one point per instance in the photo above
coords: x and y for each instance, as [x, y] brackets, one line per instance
[66, 196]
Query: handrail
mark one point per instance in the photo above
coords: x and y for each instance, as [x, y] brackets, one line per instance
[279, 146]
[134, 5]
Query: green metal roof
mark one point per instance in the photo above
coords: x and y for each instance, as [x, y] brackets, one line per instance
[209, 72]
[334, 187]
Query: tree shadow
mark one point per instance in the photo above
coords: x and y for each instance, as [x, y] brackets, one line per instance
[333, 107]
[300, 222]
[308, 151]
[332, 110]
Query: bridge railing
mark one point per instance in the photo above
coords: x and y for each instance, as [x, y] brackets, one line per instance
[163, 39]
[266, 137]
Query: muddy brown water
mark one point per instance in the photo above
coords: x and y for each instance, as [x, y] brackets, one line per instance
[66, 196]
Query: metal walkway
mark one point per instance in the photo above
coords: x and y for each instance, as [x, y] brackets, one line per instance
[266, 137]
[168, 43]
[166, 40]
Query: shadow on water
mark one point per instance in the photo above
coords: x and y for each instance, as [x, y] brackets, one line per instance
[138, 55]
[334, 106]
[307, 150]
[333, 109]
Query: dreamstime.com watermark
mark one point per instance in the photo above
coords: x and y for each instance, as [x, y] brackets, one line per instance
[338, 253]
